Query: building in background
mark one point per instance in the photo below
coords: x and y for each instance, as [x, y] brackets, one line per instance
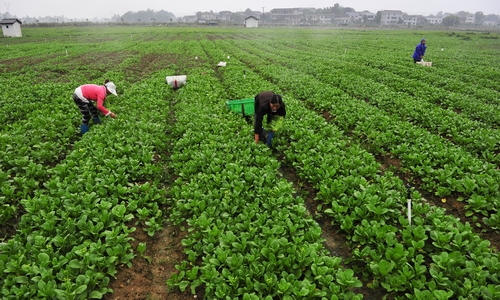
[466, 17]
[207, 16]
[190, 19]
[363, 17]
[410, 20]
[434, 20]
[289, 15]
[251, 22]
[11, 27]
[225, 15]
[319, 18]
[390, 17]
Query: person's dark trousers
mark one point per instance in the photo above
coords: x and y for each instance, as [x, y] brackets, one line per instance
[263, 133]
[416, 60]
[87, 109]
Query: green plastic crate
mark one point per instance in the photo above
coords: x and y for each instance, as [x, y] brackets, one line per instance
[242, 106]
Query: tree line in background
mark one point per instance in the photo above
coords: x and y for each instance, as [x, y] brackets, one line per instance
[162, 16]
[143, 16]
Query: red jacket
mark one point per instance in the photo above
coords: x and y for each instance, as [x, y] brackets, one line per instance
[96, 93]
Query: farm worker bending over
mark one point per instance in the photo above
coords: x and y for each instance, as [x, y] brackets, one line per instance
[419, 53]
[85, 94]
[270, 104]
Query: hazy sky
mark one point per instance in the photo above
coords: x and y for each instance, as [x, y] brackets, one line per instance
[107, 8]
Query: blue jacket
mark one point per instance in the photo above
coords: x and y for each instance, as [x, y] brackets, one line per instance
[419, 50]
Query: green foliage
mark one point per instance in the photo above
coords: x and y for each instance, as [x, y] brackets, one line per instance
[276, 124]
[248, 235]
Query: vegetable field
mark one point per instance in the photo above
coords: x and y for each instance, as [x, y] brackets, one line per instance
[174, 200]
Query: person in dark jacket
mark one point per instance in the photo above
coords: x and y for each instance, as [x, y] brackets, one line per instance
[270, 104]
[419, 53]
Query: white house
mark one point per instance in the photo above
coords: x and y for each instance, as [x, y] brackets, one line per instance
[434, 20]
[11, 27]
[320, 18]
[225, 15]
[341, 19]
[467, 18]
[251, 21]
[208, 16]
[390, 17]
[290, 15]
[361, 16]
[410, 20]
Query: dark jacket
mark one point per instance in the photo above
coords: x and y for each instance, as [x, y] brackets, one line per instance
[419, 50]
[263, 108]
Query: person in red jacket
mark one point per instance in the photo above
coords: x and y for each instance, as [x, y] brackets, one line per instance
[83, 97]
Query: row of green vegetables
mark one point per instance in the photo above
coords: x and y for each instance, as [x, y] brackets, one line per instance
[467, 68]
[40, 44]
[443, 167]
[74, 234]
[40, 131]
[391, 52]
[37, 131]
[41, 122]
[76, 229]
[476, 137]
[433, 80]
[461, 67]
[436, 257]
[482, 110]
[249, 237]
[32, 138]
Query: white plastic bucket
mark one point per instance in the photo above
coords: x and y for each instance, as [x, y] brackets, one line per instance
[425, 63]
[176, 81]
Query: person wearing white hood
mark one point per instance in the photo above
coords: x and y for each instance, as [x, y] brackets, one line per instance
[83, 97]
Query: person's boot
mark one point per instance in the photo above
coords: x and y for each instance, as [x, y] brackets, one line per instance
[96, 120]
[84, 128]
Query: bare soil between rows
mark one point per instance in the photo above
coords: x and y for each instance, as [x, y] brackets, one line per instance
[147, 277]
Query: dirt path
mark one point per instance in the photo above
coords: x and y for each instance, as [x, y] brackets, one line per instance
[147, 277]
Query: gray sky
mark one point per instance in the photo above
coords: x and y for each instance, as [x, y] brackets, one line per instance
[107, 8]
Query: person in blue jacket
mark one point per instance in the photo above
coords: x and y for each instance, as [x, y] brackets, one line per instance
[419, 53]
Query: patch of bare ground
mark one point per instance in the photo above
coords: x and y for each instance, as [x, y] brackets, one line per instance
[9, 228]
[90, 65]
[17, 64]
[152, 62]
[147, 277]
